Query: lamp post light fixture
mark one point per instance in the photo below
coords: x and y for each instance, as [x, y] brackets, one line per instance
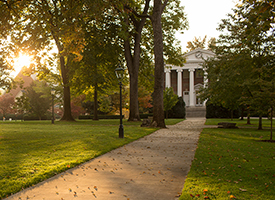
[119, 74]
[52, 93]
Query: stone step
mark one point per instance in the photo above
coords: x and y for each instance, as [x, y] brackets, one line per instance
[195, 112]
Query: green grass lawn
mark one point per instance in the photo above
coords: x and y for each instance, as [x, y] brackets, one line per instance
[232, 164]
[33, 151]
[254, 122]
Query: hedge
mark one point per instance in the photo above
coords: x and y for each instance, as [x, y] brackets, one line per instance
[100, 117]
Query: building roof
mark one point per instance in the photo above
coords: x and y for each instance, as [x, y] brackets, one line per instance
[25, 80]
[194, 59]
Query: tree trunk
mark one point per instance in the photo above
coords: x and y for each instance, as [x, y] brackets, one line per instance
[271, 123]
[248, 117]
[134, 107]
[95, 103]
[133, 67]
[158, 111]
[260, 127]
[242, 113]
[133, 59]
[67, 115]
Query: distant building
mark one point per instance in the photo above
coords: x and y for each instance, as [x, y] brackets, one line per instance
[186, 81]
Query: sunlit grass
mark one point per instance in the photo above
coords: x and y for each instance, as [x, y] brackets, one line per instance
[33, 151]
[232, 164]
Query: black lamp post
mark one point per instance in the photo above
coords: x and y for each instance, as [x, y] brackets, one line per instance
[119, 74]
[52, 93]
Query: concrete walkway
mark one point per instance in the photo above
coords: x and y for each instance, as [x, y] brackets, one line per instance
[151, 168]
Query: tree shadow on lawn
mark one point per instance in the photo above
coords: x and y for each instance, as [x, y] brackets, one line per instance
[31, 154]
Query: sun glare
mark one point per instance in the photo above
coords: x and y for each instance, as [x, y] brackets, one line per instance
[22, 60]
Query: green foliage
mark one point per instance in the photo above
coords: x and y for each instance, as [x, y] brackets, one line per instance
[22, 104]
[39, 101]
[104, 104]
[201, 43]
[178, 110]
[6, 104]
[174, 20]
[144, 100]
[215, 111]
[243, 71]
[100, 117]
[5, 80]
[169, 99]
[231, 164]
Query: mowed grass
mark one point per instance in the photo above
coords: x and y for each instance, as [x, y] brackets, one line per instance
[33, 151]
[242, 123]
[232, 164]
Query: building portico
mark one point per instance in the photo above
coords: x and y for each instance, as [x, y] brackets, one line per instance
[186, 81]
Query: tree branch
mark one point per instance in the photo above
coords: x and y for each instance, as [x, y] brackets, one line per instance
[145, 11]
[164, 5]
[9, 7]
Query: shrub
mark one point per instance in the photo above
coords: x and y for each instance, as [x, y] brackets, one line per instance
[215, 111]
[100, 117]
[178, 111]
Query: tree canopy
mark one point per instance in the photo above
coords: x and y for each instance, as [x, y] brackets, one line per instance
[243, 70]
[201, 43]
[93, 35]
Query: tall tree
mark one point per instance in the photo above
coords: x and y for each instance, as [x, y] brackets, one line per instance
[158, 111]
[132, 56]
[7, 11]
[22, 104]
[101, 55]
[247, 45]
[138, 42]
[39, 102]
[46, 23]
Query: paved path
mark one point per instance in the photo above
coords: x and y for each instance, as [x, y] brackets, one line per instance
[151, 168]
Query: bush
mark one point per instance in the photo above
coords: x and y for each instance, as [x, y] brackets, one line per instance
[100, 117]
[214, 111]
[178, 111]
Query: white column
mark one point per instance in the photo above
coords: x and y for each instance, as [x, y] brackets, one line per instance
[167, 78]
[205, 83]
[205, 79]
[179, 82]
[191, 87]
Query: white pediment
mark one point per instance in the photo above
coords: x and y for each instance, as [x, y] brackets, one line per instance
[198, 55]
[194, 60]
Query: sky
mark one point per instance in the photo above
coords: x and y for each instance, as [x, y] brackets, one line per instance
[203, 17]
